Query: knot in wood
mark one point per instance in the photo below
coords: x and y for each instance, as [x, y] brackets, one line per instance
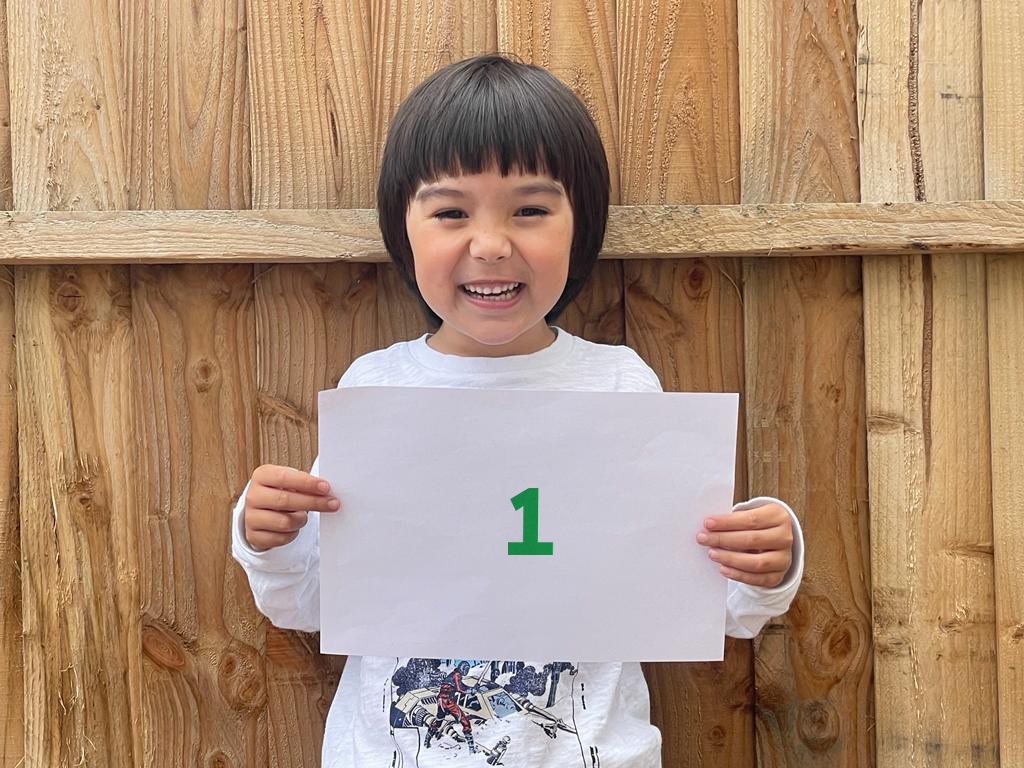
[840, 644]
[84, 494]
[205, 373]
[218, 759]
[1017, 633]
[716, 736]
[241, 678]
[818, 724]
[810, 276]
[163, 647]
[698, 283]
[68, 298]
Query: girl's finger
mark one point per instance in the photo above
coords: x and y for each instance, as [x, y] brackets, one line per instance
[290, 479]
[747, 541]
[263, 540]
[272, 521]
[758, 518]
[754, 579]
[263, 497]
[762, 562]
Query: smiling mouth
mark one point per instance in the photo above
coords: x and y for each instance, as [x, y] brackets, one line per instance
[495, 293]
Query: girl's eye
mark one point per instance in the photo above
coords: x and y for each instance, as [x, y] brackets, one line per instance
[450, 214]
[532, 212]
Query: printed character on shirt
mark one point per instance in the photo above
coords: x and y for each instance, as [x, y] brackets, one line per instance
[486, 694]
[446, 705]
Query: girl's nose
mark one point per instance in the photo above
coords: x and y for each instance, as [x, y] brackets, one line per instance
[490, 245]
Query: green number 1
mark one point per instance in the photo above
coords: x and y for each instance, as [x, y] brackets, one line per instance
[528, 502]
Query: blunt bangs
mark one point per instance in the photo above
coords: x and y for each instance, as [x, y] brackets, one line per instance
[490, 112]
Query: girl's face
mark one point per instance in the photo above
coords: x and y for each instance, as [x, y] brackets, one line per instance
[473, 236]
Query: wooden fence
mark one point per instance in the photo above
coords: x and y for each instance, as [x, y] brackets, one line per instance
[154, 357]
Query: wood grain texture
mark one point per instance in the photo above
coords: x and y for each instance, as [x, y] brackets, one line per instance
[890, 151]
[206, 687]
[412, 39]
[12, 690]
[310, 67]
[186, 102]
[1002, 61]
[1002, 56]
[78, 464]
[576, 42]
[78, 472]
[679, 143]
[798, 126]
[930, 559]
[948, 43]
[679, 113]
[1005, 279]
[67, 105]
[598, 313]
[187, 140]
[399, 316]
[310, 85]
[804, 376]
[6, 200]
[926, 354]
[634, 232]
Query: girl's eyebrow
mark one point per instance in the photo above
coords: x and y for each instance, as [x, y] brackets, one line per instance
[539, 187]
[426, 193]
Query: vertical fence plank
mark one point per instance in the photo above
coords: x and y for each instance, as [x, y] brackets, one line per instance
[893, 326]
[187, 147]
[12, 691]
[1006, 373]
[804, 374]
[680, 144]
[955, 578]
[309, 67]
[6, 201]
[576, 41]
[411, 39]
[78, 467]
[205, 687]
[927, 396]
[78, 475]
[1003, 61]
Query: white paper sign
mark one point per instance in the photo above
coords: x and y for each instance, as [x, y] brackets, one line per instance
[417, 563]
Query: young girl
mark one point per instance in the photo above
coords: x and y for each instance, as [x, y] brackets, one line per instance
[493, 198]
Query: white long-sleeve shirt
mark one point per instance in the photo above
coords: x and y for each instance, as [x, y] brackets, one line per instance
[521, 714]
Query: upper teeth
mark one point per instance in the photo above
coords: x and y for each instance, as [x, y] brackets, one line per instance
[491, 289]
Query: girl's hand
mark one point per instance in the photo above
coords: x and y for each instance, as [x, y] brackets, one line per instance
[754, 546]
[277, 501]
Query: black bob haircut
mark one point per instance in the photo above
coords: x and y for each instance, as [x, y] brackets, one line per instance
[493, 112]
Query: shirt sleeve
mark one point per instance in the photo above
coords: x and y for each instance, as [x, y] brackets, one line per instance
[748, 608]
[285, 580]
[636, 375]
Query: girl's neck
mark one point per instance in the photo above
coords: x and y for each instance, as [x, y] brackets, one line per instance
[451, 342]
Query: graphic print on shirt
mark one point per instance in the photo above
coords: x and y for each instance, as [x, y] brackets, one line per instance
[472, 712]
